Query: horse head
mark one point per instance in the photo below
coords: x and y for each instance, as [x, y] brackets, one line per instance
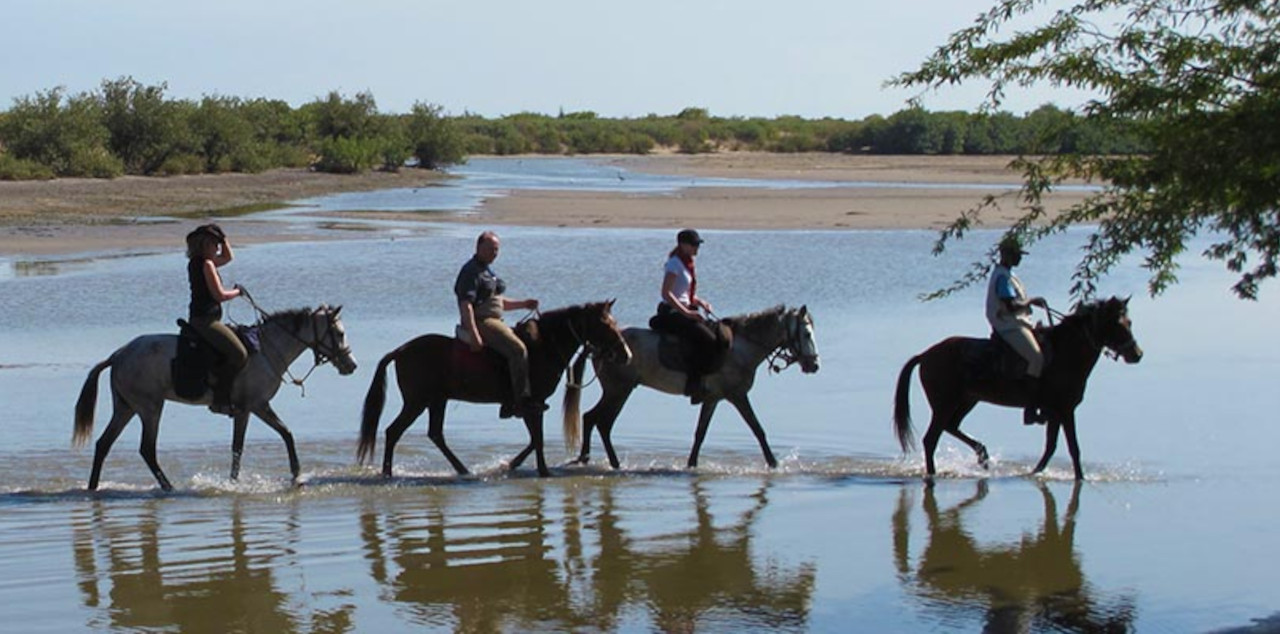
[600, 331]
[1113, 329]
[327, 338]
[801, 342]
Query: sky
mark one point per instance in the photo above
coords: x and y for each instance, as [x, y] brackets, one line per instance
[617, 58]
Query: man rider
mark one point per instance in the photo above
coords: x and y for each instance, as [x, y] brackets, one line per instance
[1009, 312]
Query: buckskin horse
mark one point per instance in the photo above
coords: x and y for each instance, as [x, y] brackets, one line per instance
[432, 369]
[952, 389]
[142, 380]
[784, 335]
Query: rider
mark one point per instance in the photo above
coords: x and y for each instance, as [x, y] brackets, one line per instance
[207, 250]
[480, 306]
[678, 312]
[1009, 312]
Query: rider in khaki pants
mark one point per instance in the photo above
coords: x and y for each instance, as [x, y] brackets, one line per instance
[480, 307]
[1009, 312]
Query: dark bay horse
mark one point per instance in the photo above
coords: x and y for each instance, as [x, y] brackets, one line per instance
[142, 380]
[1075, 344]
[780, 333]
[432, 369]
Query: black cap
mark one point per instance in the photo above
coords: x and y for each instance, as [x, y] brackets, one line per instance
[689, 236]
[1011, 244]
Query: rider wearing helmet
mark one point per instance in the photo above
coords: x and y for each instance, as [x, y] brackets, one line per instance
[1009, 312]
[678, 313]
[480, 306]
[207, 250]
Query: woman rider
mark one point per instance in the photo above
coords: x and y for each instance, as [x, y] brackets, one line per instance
[678, 312]
[207, 250]
[480, 306]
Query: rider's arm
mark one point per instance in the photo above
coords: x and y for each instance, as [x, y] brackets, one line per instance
[224, 254]
[517, 304]
[214, 282]
[467, 314]
[668, 294]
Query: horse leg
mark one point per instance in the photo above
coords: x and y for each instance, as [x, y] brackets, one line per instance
[743, 404]
[953, 428]
[435, 431]
[269, 416]
[121, 414]
[601, 417]
[1050, 444]
[704, 421]
[1073, 446]
[533, 422]
[150, 433]
[409, 412]
[238, 426]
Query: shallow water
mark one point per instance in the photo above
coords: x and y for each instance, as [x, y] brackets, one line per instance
[1172, 531]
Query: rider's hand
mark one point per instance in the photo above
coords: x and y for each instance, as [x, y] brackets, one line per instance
[1038, 301]
[531, 304]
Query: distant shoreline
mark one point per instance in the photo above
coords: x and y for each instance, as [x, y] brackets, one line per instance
[82, 215]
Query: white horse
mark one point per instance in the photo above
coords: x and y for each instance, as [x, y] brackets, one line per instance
[142, 380]
[783, 335]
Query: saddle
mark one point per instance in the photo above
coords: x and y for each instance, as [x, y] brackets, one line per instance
[993, 359]
[675, 353]
[470, 362]
[193, 364]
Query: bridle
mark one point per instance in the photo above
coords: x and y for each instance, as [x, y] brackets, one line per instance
[786, 353]
[317, 344]
[1115, 352]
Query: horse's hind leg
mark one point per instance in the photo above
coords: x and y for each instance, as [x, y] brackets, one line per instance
[121, 413]
[409, 412]
[953, 428]
[601, 417]
[150, 433]
[435, 432]
[1050, 444]
[948, 419]
[273, 421]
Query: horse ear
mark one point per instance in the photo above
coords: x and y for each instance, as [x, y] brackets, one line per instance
[337, 310]
[1126, 301]
[609, 304]
[804, 310]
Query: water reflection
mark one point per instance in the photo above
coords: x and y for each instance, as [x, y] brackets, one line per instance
[505, 568]
[1033, 584]
[210, 573]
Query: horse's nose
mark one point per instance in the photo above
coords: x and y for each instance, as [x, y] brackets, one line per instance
[1137, 355]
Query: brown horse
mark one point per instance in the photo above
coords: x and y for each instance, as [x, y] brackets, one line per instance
[953, 390]
[434, 368]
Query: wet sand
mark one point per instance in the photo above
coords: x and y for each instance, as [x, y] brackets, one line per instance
[78, 215]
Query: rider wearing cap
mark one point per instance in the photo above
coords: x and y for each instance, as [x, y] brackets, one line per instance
[678, 312]
[1009, 312]
[480, 306]
[207, 250]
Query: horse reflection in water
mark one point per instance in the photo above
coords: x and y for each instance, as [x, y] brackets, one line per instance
[1033, 584]
[166, 576]
[499, 568]
[781, 335]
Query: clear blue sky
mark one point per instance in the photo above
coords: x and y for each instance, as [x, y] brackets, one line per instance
[812, 58]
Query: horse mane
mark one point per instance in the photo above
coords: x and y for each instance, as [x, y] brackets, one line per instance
[293, 317]
[1085, 311]
[754, 325]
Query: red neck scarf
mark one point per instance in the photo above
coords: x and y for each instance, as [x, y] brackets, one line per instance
[693, 275]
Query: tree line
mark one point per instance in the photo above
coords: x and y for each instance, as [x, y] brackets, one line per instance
[126, 127]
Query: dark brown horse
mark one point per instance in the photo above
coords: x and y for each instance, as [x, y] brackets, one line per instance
[953, 391]
[433, 369]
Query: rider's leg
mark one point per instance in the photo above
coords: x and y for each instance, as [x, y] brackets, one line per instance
[1023, 341]
[234, 357]
[500, 337]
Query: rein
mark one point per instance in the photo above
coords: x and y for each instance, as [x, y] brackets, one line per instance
[318, 358]
[587, 349]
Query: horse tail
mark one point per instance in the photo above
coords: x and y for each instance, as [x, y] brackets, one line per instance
[373, 404]
[85, 404]
[902, 405]
[572, 404]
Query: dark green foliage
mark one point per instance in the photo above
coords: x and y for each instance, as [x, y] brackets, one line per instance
[64, 135]
[1192, 84]
[145, 129]
[433, 139]
[16, 169]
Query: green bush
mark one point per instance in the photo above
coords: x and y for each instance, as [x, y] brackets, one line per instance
[16, 169]
[180, 164]
[348, 156]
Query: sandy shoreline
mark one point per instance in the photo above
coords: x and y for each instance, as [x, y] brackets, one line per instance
[84, 215]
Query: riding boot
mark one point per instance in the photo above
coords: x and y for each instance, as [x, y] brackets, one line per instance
[222, 396]
[694, 389]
